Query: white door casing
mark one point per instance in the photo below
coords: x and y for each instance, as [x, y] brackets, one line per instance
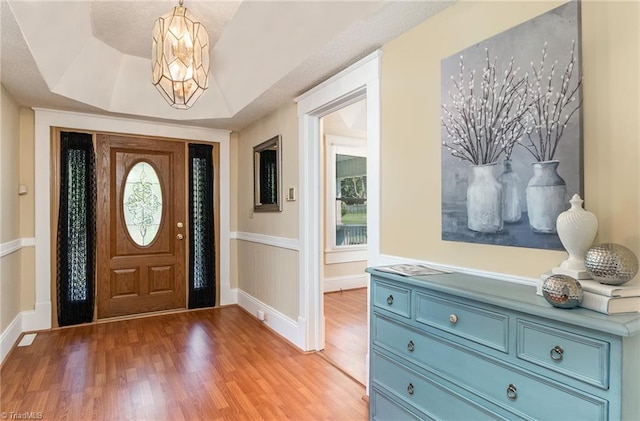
[361, 80]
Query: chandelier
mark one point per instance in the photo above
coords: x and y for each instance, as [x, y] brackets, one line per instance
[180, 57]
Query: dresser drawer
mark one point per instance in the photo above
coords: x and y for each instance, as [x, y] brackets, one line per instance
[425, 394]
[391, 298]
[485, 327]
[408, 342]
[382, 409]
[580, 357]
[485, 376]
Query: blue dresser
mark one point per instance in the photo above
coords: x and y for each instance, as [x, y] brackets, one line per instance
[462, 347]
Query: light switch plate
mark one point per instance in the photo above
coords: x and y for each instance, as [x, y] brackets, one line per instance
[291, 194]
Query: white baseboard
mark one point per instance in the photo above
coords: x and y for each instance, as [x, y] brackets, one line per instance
[9, 337]
[337, 283]
[228, 295]
[277, 321]
[38, 319]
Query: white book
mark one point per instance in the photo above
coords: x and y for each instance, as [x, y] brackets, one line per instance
[629, 290]
[610, 305]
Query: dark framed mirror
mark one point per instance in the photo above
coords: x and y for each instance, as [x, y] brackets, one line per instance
[267, 179]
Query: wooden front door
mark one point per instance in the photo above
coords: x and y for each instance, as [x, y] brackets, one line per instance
[141, 234]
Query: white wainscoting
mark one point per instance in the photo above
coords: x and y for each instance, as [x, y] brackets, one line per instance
[21, 321]
[268, 271]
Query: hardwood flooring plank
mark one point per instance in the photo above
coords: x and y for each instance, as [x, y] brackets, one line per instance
[346, 343]
[217, 364]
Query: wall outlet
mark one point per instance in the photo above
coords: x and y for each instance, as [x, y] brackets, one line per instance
[261, 316]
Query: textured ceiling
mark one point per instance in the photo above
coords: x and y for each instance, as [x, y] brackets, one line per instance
[93, 56]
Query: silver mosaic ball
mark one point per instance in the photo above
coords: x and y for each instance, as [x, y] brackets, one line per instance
[562, 291]
[611, 264]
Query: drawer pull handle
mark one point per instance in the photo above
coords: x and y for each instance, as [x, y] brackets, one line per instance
[512, 392]
[411, 346]
[410, 389]
[390, 299]
[556, 353]
[453, 319]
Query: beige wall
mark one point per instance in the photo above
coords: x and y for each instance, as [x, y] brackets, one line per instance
[281, 224]
[9, 208]
[410, 131]
[268, 273]
[27, 208]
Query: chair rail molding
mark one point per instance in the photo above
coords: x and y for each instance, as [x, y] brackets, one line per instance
[269, 240]
[15, 245]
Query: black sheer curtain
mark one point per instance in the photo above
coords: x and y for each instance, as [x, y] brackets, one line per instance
[202, 269]
[76, 249]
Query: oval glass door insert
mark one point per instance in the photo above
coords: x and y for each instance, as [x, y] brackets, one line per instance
[142, 203]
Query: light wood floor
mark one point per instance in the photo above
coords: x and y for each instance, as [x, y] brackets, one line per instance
[219, 364]
[345, 314]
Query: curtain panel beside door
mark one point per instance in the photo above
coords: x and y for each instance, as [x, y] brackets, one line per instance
[76, 229]
[202, 270]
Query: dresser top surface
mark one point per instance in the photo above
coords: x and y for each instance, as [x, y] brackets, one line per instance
[517, 297]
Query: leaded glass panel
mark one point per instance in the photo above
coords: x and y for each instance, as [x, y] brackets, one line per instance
[142, 204]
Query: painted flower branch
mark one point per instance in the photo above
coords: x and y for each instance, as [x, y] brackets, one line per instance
[485, 121]
[553, 110]
[487, 118]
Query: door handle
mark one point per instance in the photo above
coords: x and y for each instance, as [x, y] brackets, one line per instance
[179, 236]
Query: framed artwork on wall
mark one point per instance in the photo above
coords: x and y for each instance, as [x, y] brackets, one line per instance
[511, 133]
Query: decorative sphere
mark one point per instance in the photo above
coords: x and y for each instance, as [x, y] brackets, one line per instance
[611, 264]
[562, 291]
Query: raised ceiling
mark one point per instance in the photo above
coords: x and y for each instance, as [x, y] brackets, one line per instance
[94, 56]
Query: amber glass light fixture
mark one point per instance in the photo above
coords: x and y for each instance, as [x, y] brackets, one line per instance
[180, 57]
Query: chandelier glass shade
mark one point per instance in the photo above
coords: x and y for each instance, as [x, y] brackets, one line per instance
[180, 58]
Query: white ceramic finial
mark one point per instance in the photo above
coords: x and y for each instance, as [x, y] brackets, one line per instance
[577, 229]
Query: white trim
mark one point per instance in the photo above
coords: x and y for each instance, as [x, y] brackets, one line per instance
[9, 336]
[277, 321]
[338, 78]
[10, 247]
[34, 319]
[28, 242]
[15, 245]
[338, 283]
[361, 80]
[394, 260]
[269, 240]
[340, 255]
[46, 119]
[335, 145]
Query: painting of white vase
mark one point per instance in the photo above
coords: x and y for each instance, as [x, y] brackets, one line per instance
[513, 102]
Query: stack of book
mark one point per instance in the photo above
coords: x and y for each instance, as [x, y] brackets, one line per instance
[607, 299]
[610, 299]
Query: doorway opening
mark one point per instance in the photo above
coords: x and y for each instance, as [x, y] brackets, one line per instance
[359, 81]
[344, 244]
